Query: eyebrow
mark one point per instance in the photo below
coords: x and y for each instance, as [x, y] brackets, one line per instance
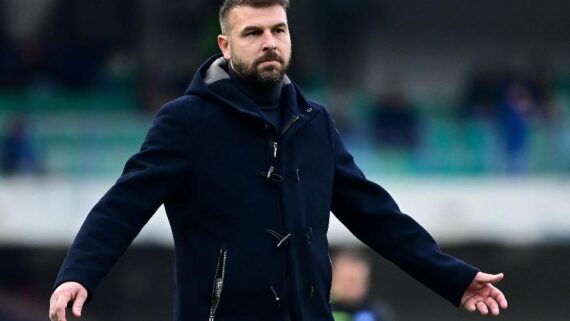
[255, 28]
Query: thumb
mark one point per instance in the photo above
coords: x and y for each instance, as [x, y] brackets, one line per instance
[79, 302]
[488, 278]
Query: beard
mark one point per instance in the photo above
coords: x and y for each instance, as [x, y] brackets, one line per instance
[265, 76]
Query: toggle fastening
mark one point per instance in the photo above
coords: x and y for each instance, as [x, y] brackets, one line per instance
[281, 240]
[270, 175]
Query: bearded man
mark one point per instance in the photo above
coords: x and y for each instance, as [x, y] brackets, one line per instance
[249, 170]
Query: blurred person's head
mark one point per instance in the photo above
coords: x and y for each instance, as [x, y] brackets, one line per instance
[518, 96]
[255, 39]
[393, 99]
[351, 277]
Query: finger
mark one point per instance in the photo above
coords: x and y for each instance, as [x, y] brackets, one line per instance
[492, 305]
[488, 278]
[52, 314]
[500, 298]
[470, 305]
[60, 308]
[482, 307]
[61, 305]
[78, 304]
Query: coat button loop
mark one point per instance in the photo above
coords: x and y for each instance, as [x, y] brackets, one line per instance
[281, 240]
[309, 110]
[284, 240]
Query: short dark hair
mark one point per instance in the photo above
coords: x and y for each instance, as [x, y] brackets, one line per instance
[229, 5]
[353, 254]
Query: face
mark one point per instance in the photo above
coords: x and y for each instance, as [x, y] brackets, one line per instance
[350, 280]
[258, 44]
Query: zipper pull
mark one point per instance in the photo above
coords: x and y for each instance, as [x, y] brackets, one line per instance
[219, 284]
[275, 145]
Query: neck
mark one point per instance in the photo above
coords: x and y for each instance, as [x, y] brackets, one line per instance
[261, 95]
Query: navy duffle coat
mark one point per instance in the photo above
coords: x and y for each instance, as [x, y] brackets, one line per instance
[249, 209]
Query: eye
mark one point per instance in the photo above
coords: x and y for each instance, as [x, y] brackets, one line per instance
[252, 33]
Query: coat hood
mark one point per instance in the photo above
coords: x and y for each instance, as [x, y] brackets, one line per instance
[212, 82]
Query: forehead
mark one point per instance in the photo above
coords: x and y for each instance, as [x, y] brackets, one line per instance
[344, 263]
[244, 16]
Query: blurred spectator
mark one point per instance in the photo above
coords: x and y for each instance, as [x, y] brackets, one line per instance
[515, 118]
[349, 106]
[341, 105]
[483, 92]
[548, 112]
[395, 122]
[18, 154]
[541, 85]
[350, 287]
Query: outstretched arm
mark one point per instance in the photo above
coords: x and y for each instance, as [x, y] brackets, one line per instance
[150, 178]
[481, 295]
[373, 216]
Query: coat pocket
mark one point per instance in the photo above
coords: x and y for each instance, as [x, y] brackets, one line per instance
[218, 283]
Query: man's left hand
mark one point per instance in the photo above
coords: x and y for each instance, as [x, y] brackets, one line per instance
[482, 296]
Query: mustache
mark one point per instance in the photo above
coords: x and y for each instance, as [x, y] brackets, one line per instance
[269, 56]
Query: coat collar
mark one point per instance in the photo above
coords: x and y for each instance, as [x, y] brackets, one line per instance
[213, 82]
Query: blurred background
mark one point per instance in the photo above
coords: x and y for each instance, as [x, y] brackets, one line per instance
[461, 109]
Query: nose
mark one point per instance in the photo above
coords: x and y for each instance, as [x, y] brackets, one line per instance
[269, 41]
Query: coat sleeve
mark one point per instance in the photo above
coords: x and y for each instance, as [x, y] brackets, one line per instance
[373, 216]
[149, 178]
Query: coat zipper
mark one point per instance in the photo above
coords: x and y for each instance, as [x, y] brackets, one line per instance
[275, 148]
[289, 124]
[275, 141]
[275, 166]
[218, 283]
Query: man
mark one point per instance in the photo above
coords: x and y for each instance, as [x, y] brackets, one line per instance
[350, 288]
[248, 170]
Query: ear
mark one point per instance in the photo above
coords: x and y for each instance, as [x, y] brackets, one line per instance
[224, 44]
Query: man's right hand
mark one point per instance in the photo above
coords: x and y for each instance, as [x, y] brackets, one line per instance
[68, 292]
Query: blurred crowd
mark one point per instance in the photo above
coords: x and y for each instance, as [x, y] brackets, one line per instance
[511, 102]
[144, 54]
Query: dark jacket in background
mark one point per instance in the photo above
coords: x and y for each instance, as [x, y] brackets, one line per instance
[249, 209]
[367, 310]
